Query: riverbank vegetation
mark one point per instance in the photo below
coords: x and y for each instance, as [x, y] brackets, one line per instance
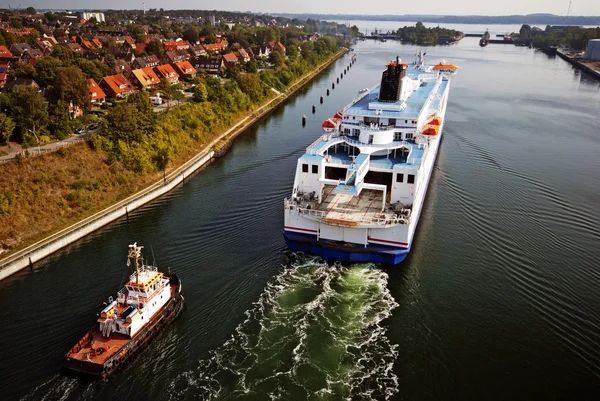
[420, 35]
[573, 37]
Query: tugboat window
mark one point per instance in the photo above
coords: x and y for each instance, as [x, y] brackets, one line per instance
[400, 178]
[410, 179]
[315, 169]
[305, 168]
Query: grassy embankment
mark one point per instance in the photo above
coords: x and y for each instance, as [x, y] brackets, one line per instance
[42, 195]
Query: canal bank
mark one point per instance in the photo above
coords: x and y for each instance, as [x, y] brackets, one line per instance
[33, 253]
[588, 66]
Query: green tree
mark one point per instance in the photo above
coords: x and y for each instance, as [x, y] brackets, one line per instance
[45, 70]
[250, 84]
[155, 47]
[71, 86]
[21, 70]
[525, 31]
[191, 35]
[200, 93]
[64, 54]
[28, 110]
[59, 120]
[7, 126]
[276, 57]
[30, 10]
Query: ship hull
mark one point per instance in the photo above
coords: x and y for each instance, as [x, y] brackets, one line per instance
[102, 370]
[344, 251]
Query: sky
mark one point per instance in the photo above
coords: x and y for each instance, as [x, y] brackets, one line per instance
[437, 7]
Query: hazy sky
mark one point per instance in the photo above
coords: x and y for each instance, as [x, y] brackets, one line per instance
[447, 7]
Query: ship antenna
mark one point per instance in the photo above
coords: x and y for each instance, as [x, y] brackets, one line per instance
[153, 258]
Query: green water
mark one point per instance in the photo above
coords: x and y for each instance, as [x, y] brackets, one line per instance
[314, 334]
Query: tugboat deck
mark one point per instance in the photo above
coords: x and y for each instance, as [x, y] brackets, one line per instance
[89, 350]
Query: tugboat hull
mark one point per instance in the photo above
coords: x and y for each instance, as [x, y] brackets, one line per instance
[86, 359]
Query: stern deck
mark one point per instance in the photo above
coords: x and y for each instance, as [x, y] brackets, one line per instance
[367, 206]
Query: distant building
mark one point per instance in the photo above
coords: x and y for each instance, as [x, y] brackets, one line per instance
[89, 15]
[231, 60]
[97, 95]
[185, 69]
[593, 50]
[211, 65]
[166, 72]
[117, 86]
[145, 77]
[145, 62]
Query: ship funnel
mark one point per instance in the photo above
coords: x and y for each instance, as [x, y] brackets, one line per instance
[391, 82]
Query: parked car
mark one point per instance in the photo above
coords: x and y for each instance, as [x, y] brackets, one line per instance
[93, 126]
[80, 131]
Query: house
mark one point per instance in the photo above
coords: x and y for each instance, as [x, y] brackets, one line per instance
[122, 66]
[5, 54]
[3, 73]
[197, 51]
[214, 47]
[178, 45]
[140, 48]
[32, 56]
[277, 45]
[145, 62]
[244, 56]
[176, 56]
[185, 69]
[11, 83]
[75, 48]
[18, 49]
[259, 52]
[44, 45]
[165, 71]
[250, 53]
[144, 77]
[97, 95]
[117, 86]
[212, 65]
[97, 43]
[230, 60]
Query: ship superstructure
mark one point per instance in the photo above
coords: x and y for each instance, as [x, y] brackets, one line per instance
[359, 190]
[148, 300]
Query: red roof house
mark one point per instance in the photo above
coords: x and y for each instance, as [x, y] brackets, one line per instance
[117, 86]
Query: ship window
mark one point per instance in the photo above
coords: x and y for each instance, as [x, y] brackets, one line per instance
[405, 121]
[410, 179]
[397, 136]
[356, 132]
[315, 169]
[409, 136]
[392, 121]
[347, 131]
[305, 168]
[400, 178]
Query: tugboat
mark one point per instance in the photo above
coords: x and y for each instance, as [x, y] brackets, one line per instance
[145, 304]
[485, 39]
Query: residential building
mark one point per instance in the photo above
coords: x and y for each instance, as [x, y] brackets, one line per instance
[122, 66]
[144, 77]
[185, 69]
[230, 60]
[75, 48]
[117, 86]
[89, 15]
[145, 62]
[11, 83]
[197, 51]
[18, 49]
[3, 73]
[177, 45]
[97, 95]
[212, 65]
[244, 56]
[176, 56]
[5, 54]
[166, 72]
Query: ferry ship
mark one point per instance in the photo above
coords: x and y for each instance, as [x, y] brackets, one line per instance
[358, 191]
[147, 301]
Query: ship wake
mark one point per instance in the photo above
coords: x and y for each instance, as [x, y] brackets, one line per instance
[315, 333]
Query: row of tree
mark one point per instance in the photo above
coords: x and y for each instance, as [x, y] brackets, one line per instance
[573, 37]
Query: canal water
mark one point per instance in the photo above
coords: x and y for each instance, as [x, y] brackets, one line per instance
[498, 299]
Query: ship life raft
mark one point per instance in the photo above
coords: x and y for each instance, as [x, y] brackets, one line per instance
[443, 67]
[432, 126]
[333, 124]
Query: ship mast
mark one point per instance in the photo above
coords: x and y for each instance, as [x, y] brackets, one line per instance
[135, 253]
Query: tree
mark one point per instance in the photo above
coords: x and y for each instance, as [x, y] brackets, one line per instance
[250, 84]
[7, 126]
[142, 103]
[292, 49]
[191, 35]
[71, 86]
[155, 47]
[21, 70]
[28, 109]
[59, 120]
[45, 70]
[64, 54]
[525, 31]
[277, 58]
[200, 93]
[30, 10]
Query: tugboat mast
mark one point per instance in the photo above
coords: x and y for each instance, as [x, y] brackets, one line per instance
[135, 253]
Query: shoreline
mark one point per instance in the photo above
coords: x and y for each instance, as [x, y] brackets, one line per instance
[20, 259]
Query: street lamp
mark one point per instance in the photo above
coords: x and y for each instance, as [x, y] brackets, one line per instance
[37, 139]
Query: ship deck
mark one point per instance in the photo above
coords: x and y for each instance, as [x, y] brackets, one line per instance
[352, 209]
[89, 351]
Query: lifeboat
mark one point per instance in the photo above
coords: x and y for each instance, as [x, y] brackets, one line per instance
[434, 120]
[333, 124]
[431, 130]
[444, 67]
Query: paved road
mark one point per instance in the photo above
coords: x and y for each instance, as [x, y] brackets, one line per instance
[51, 147]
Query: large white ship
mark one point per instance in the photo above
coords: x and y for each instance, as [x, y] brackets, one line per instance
[359, 189]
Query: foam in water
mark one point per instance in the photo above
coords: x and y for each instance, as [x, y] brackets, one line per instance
[315, 333]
